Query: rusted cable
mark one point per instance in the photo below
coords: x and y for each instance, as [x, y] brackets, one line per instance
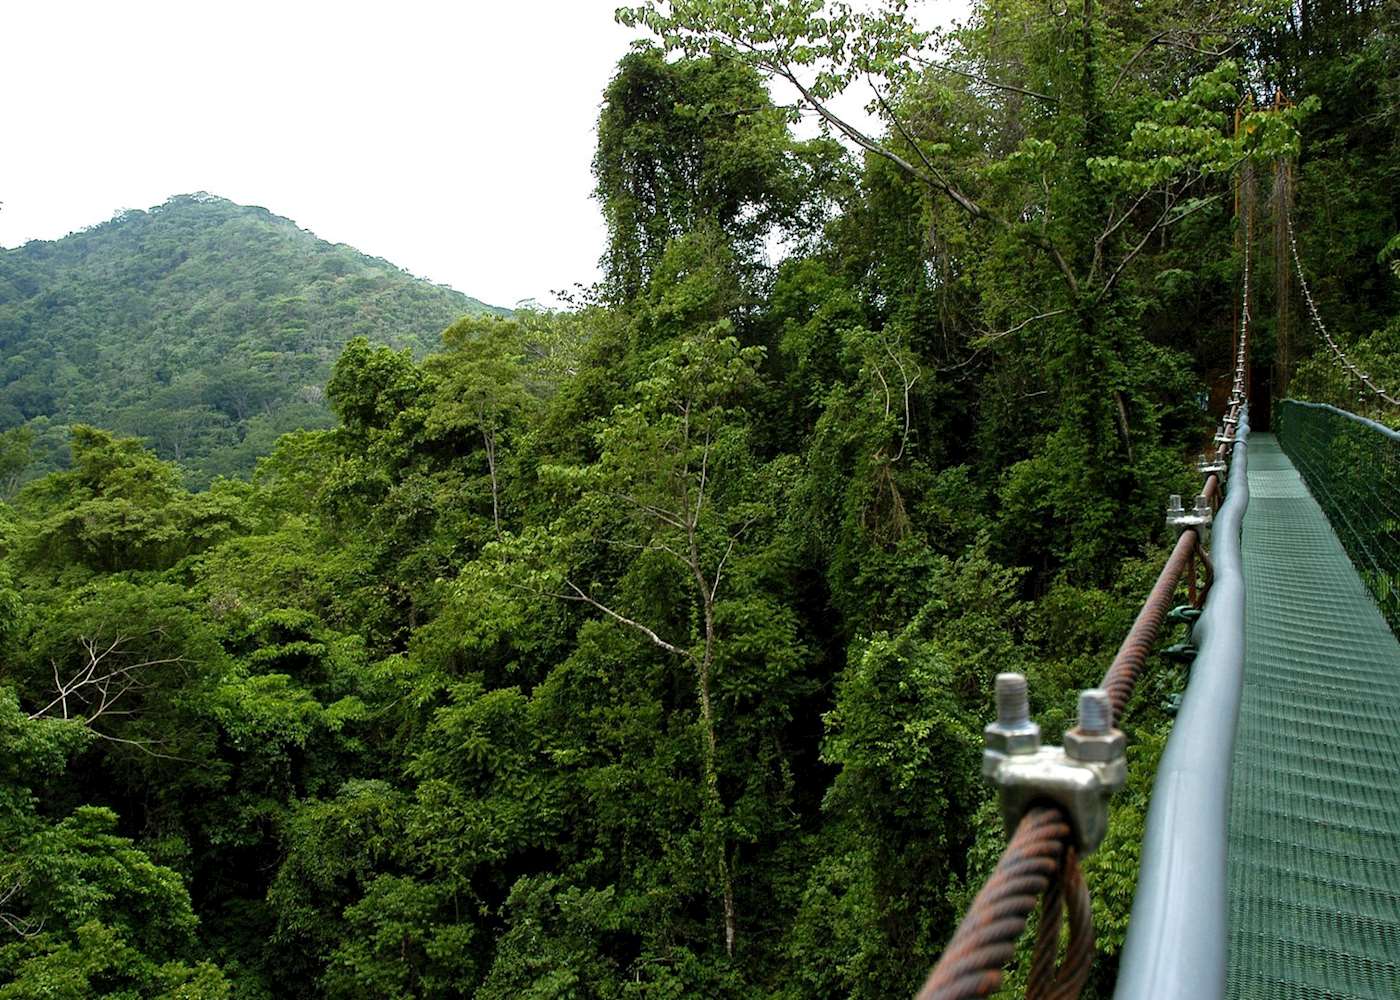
[1079, 953]
[1047, 980]
[1045, 957]
[1209, 568]
[1211, 490]
[1123, 673]
[985, 941]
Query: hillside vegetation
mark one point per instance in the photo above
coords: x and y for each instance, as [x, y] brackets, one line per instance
[206, 328]
[642, 652]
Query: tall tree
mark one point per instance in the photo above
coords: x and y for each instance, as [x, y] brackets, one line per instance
[694, 142]
[480, 388]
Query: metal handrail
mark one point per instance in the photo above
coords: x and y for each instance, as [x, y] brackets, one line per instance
[1177, 943]
[1380, 428]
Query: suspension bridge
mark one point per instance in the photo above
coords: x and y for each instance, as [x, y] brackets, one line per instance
[1271, 862]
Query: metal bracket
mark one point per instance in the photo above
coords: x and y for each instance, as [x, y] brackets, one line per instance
[1210, 465]
[1080, 788]
[1182, 652]
[1184, 613]
[1079, 777]
[1200, 517]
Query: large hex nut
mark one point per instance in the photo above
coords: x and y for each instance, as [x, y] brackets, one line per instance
[1095, 748]
[1000, 742]
[1024, 739]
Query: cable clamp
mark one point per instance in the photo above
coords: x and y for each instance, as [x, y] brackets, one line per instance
[1199, 517]
[1079, 777]
[1211, 465]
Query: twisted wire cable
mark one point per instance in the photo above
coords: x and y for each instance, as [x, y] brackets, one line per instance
[971, 966]
[1044, 959]
[1049, 981]
[1122, 674]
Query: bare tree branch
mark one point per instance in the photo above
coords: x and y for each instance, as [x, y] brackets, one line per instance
[93, 692]
[96, 692]
[143, 745]
[580, 595]
[719, 570]
[1113, 226]
[704, 474]
[1164, 38]
[908, 383]
[1163, 221]
[889, 400]
[1135, 57]
[660, 513]
[933, 178]
[1213, 53]
[651, 545]
[991, 338]
[899, 124]
[989, 82]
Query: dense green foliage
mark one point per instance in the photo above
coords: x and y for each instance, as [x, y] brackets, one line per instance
[205, 327]
[643, 650]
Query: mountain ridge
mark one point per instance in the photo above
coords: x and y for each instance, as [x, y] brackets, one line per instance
[205, 197]
[204, 326]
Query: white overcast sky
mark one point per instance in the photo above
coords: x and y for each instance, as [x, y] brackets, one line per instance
[451, 138]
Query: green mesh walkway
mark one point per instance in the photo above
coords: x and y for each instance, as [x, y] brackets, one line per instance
[1315, 817]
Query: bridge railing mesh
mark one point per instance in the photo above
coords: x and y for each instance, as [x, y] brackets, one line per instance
[1352, 467]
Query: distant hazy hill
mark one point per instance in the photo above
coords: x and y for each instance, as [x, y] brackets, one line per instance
[206, 327]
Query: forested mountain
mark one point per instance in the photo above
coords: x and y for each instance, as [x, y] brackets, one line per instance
[644, 650]
[206, 328]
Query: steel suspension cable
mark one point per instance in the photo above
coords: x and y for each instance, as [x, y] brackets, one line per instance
[986, 939]
[1321, 327]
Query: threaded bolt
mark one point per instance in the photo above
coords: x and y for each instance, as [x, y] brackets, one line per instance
[1013, 701]
[1202, 505]
[1095, 712]
[1174, 504]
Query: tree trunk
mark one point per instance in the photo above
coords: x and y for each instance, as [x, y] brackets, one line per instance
[490, 441]
[703, 671]
[715, 804]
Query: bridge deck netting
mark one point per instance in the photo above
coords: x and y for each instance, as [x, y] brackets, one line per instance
[1314, 862]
